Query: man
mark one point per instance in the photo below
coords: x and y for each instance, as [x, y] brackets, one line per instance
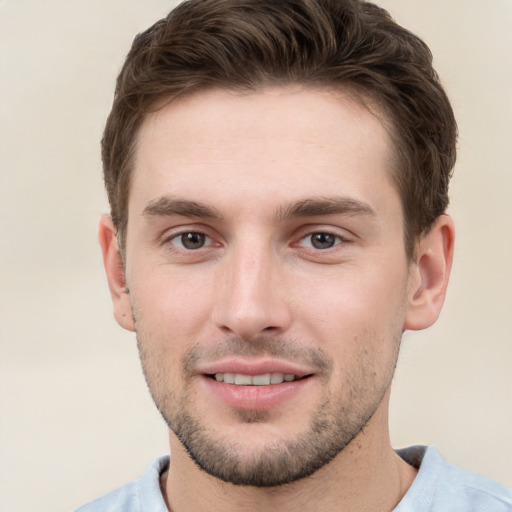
[278, 175]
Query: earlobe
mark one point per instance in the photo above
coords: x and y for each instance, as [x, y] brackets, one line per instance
[430, 274]
[115, 273]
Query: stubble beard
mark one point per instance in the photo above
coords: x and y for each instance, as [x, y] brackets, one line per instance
[334, 424]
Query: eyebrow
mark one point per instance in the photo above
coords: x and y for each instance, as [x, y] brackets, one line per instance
[325, 206]
[167, 207]
[339, 205]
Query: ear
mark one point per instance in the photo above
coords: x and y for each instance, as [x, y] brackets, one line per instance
[115, 273]
[429, 275]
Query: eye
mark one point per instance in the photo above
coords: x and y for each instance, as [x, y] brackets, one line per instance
[190, 240]
[321, 240]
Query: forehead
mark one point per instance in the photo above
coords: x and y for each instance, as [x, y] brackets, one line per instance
[282, 143]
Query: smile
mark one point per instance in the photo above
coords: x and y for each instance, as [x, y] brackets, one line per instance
[240, 379]
[259, 391]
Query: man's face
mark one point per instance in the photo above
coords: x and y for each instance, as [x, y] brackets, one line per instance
[265, 247]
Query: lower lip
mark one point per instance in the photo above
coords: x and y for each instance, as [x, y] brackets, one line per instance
[259, 398]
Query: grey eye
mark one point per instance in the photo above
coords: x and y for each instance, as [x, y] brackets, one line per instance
[323, 240]
[192, 240]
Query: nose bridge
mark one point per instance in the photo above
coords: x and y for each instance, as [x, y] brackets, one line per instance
[251, 299]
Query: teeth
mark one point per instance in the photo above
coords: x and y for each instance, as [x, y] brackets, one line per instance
[243, 380]
[276, 378]
[240, 379]
[229, 378]
[261, 380]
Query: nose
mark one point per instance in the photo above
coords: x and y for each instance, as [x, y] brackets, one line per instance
[251, 299]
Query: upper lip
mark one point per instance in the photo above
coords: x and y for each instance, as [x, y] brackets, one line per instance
[252, 367]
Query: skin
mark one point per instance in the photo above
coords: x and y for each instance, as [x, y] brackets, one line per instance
[264, 177]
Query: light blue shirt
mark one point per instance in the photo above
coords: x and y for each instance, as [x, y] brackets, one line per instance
[438, 487]
[442, 487]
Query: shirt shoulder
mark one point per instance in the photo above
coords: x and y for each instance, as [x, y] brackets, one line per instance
[443, 487]
[124, 499]
[141, 495]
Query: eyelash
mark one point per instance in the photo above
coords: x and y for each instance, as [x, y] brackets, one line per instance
[172, 239]
[331, 239]
[335, 239]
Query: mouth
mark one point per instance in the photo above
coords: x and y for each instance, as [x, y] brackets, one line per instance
[260, 391]
[255, 384]
[265, 379]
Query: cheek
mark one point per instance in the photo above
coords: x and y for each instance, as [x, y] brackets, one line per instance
[170, 304]
[356, 310]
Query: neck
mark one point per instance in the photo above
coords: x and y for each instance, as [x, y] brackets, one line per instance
[366, 476]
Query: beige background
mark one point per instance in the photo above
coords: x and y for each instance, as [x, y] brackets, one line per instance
[76, 419]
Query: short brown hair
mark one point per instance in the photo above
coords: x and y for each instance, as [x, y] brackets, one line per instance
[247, 44]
